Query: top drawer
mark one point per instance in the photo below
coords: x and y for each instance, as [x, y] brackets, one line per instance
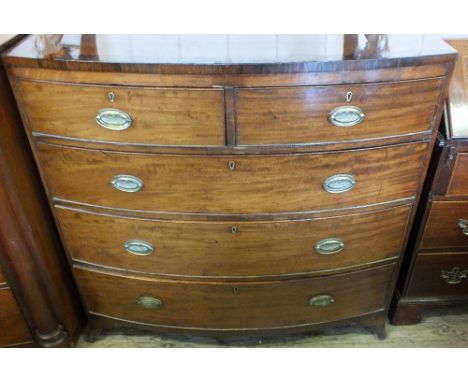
[288, 115]
[160, 116]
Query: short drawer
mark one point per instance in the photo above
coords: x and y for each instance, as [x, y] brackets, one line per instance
[243, 305]
[446, 226]
[307, 114]
[233, 184]
[458, 183]
[160, 116]
[439, 274]
[13, 329]
[230, 249]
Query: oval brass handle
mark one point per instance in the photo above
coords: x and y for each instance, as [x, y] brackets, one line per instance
[321, 300]
[127, 183]
[339, 183]
[463, 225]
[113, 119]
[454, 276]
[138, 247]
[346, 116]
[149, 302]
[329, 246]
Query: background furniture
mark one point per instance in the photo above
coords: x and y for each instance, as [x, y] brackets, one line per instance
[232, 185]
[437, 265]
[38, 301]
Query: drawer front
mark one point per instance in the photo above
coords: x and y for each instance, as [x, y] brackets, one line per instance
[233, 184]
[244, 305]
[242, 249]
[446, 226]
[301, 114]
[158, 116]
[13, 329]
[458, 184]
[439, 274]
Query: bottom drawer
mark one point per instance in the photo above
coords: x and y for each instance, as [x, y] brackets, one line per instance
[234, 305]
[439, 274]
[13, 329]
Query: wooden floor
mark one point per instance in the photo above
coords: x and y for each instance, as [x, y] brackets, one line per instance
[437, 329]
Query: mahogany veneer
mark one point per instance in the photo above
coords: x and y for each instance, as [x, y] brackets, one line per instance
[437, 268]
[227, 185]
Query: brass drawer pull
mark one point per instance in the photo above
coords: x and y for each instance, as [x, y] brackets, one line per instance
[127, 183]
[138, 247]
[149, 302]
[339, 183]
[329, 246]
[455, 276]
[346, 116]
[321, 300]
[113, 119]
[463, 225]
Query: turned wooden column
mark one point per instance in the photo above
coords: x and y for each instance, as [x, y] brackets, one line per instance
[30, 251]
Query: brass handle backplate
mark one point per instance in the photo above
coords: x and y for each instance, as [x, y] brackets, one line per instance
[454, 276]
[346, 116]
[113, 119]
[138, 247]
[127, 183]
[339, 183]
[321, 300]
[463, 225]
[149, 302]
[329, 246]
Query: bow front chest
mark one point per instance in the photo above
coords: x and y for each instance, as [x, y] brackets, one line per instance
[232, 184]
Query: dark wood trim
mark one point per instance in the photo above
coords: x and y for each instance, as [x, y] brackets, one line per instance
[30, 252]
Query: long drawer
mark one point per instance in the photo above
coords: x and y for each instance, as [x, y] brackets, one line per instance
[13, 329]
[439, 274]
[229, 249]
[287, 115]
[233, 184]
[245, 305]
[445, 226]
[138, 115]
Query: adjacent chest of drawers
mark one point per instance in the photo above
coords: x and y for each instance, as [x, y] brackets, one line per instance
[438, 250]
[13, 328]
[230, 185]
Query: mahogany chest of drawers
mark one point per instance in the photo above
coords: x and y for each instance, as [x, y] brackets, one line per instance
[232, 184]
[38, 299]
[437, 265]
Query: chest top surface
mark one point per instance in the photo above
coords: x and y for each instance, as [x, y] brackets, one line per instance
[226, 54]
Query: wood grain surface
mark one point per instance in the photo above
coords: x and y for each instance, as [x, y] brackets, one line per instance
[257, 184]
[160, 116]
[211, 249]
[426, 280]
[441, 229]
[13, 328]
[220, 306]
[300, 114]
